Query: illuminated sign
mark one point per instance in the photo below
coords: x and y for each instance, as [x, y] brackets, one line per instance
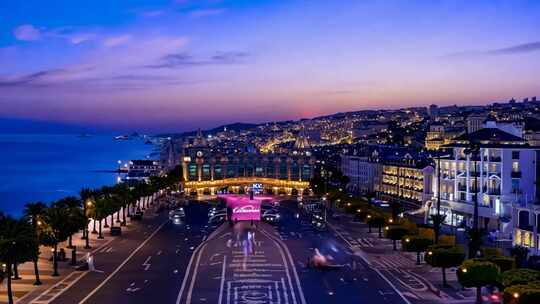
[257, 188]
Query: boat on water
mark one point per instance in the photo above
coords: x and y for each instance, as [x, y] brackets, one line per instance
[121, 137]
[84, 135]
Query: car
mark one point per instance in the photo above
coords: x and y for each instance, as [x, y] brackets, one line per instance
[217, 219]
[319, 225]
[215, 210]
[271, 216]
[177, 215]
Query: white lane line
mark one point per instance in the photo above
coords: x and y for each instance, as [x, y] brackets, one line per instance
[375, 269]
[195, 272]
[146, 264]
[188, 271]
[63, 280]
[282, 251]
[223, 270]
[122, 265]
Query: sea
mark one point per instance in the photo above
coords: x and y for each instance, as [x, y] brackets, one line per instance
[47, 167]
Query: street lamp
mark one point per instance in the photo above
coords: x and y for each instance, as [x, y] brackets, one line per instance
[472, 151]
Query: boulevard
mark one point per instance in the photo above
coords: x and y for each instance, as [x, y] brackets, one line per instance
[243, 263]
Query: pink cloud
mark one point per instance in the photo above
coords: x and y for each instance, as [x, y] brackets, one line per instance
[27, 32]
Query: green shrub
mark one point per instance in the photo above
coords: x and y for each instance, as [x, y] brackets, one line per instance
[477, 273]
[519, 277]
[394, 233]
[416, 243]
[491, 251]
[522, 294]
[443, 257]
[504, 263]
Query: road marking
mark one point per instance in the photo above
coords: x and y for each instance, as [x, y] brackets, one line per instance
[223, 270]
[194, 277]
[284, 250]
[146, 264]
[123, 263]
[375, 269]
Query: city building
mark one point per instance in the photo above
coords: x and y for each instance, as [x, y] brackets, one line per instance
[142, 169]
[211, 170]
[406, 180]
[496, 167]
[364, 173]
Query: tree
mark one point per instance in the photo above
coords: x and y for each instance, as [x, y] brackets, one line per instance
[17, 240]
[87, 198]
[395, 208]
[519, 277]
[76, 220]
[100, 213]
[395, 233]
[478, 274]
[523, 293]
[415, 243]
[520, 255]
[437, 220]
[34, 214]
[58, 230]
[444, 257]
[377, 221]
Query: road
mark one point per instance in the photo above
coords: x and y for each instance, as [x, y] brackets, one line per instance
[192, 263]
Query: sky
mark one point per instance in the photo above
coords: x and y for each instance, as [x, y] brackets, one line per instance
[176, 65]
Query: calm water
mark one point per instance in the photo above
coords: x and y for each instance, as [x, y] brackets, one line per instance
[48, 167]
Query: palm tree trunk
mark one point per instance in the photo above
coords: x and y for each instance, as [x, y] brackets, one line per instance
[444, 283]
[112, 220]
[380, 231]
[106, 223]
[418, 258]
[118, 216]
[16, 271]
[100, 236]
[70, 242]
[9, 291]
[36, 272]
[55, 260]
[94, 231]
[394, 241]
[124, 221]
[129, 210]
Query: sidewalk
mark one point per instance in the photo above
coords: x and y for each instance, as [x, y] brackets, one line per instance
[25, 292]
[419, 283]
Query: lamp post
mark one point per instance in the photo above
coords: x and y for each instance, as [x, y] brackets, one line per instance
[474, 235]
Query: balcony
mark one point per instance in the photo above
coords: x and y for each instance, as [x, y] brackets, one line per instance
[516, 174]
[494, 192]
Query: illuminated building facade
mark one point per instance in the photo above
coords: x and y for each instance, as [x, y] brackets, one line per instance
[211, 170]
[406, 181]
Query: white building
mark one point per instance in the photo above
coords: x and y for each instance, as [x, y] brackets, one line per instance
[504, 168]
[364, 173]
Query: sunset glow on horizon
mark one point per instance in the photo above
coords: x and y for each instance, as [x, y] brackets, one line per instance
[178, 65]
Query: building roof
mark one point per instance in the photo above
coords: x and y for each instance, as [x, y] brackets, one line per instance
[489, 134]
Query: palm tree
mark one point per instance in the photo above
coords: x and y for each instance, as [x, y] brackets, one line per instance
[100, 212]
[87, 197]
[58, 230]
[34, 213]
[17, 240]
[76, 219]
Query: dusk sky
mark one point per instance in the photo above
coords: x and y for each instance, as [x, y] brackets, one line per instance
[178, 65]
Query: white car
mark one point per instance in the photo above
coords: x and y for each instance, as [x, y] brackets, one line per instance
[177, 215]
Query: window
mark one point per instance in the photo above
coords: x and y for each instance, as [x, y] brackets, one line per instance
[515, 154]
[515, 185]
[515, 166]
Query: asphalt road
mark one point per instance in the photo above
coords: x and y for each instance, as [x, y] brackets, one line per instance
[191, 263]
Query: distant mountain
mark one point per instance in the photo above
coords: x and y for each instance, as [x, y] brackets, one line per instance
[237, 126]
[21, 126]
